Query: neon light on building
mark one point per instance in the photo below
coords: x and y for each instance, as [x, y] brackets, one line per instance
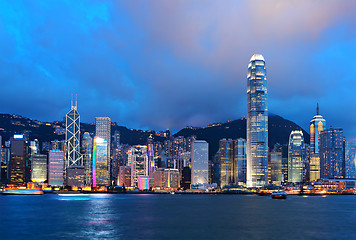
[94, 162]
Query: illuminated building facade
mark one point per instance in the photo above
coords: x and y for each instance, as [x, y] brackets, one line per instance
[350, 159]
[275, 168]
[103, 132]
[257, 123]
[124, 176]
[143, 183]
[100, 165]
[55, 167]
[73, 156]
[314, 167]
[39, 168]
[296, 157]
[200, 162]
[75, 176]
[139, 163]
[332, 153]
[226, 162]
[87, 150]
[166, 178]
[150, 154]
[18, 160]
[317, 125]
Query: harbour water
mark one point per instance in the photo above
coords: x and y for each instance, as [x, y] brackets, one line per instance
[143, 216]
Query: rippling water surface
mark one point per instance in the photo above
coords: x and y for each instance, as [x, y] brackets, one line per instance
[124, 216]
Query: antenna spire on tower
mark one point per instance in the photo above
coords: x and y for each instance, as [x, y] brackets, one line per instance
[317, 108]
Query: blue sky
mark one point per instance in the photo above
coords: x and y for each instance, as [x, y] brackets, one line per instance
[169, 64]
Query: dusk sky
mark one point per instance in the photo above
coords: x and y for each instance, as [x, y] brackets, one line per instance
[169, 64]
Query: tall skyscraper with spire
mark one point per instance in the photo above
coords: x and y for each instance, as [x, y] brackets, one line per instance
[317, 125]
[73, 155]
[74, 174]
[257, 123]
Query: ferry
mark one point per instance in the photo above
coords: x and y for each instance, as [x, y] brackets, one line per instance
[279, 195]
[21, 191]
[72, 194]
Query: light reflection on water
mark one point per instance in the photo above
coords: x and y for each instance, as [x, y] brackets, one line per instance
[100, 220]
[130, 216]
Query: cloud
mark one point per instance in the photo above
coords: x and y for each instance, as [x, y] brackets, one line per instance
[164, 64]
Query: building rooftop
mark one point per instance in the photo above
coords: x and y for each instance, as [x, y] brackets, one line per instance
[257, 57]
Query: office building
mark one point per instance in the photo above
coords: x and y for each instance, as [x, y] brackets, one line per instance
[124, 176]
[39, 168]
[18, 160]
[86, 151]
[317, 125]
[55, 168]
[139, 163]
[296, 157]
[257, 123]
[332, 153]
[100, 164]
[275, 168]
[73, 156]
[166, 178]
[103, 134]
[200, 162]
[350, 159]
[75, 176]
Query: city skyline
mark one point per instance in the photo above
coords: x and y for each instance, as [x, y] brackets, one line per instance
[137, 61]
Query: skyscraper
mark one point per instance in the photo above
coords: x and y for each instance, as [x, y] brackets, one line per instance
[73, 156]
[18, 160]
[39, 168]
[100, 165]
[350, 159]
[296, 157]
[55, 167]
[257, 123]
[200, 162]
[103, 134]
[317, 125]
[86, 150]
[275, 168]
[332, 153]
[139, 163]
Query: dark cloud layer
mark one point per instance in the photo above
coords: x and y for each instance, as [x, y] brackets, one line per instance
[169, 64]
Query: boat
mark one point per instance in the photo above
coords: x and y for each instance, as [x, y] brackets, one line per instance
[21, 191]
[72, 194]
[279, 195]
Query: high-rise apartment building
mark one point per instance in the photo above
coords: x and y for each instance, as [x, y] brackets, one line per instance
[257, 123]
[296, 157]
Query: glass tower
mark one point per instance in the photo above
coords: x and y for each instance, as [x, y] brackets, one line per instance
[296, 157]
[86, 149]
[332, 153]
[102, 155]
[73, 156]
[257, 123]
[317, 125]
[200, 162]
